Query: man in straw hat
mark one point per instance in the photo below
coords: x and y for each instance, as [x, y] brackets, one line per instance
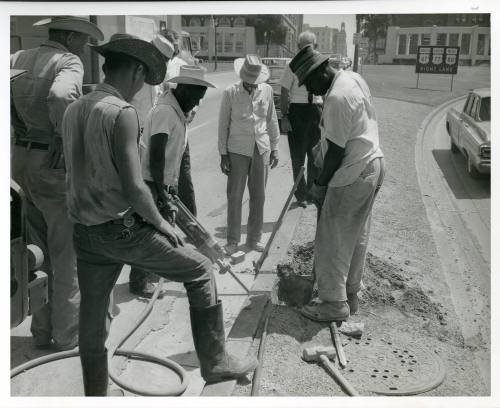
[248, 145]
[350, 178]
[53, 80]
[117, 221]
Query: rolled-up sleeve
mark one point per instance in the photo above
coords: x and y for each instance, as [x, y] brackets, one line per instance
[66, 88]
[224, 121]
[273, 128]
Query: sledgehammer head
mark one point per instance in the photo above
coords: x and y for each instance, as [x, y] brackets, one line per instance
[313, 353]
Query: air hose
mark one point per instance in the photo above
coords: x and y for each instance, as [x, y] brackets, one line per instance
[117, 351]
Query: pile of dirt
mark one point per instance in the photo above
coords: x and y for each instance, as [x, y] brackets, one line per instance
[384, 283]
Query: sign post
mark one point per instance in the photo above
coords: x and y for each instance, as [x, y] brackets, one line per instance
[433, 59]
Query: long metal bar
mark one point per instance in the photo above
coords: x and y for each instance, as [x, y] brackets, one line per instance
[337, 342]
[258, 371]
[259, 263]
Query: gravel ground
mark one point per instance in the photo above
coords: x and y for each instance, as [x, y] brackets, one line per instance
[405, 299]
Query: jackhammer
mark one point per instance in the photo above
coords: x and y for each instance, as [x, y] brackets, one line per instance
[201, 238]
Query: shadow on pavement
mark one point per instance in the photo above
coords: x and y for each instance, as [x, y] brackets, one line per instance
[288, 321]
[454, 168]
[22, 350]
[221, 232]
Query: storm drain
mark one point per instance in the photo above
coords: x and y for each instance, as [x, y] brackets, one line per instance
[383, 367]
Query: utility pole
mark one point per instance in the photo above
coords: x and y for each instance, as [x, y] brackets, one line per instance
[215, 24]
[355, 67]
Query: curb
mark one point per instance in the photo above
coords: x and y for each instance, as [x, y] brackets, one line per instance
[240, 339]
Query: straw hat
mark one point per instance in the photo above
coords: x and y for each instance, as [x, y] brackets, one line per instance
[165, 46]
[191, 75]
[305, 62]
[251, 69]
[72, 23]
[139, 49]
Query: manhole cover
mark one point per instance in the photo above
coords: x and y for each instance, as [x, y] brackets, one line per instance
[384, 367]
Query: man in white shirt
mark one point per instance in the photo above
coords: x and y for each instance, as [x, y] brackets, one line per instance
[301, 115]
[350, 178]
[248, 145]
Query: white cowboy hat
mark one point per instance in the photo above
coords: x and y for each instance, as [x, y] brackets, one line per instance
[72, 23]
[165, 46]
[191, 75]
[251, 69]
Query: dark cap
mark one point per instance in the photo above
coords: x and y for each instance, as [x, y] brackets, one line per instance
[305, 62]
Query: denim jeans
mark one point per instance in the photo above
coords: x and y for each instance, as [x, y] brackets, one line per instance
[304, 119]
[103, 249]
[342, 234]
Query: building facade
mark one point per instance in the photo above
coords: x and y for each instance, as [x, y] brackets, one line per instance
[330, 40]
[402, 43]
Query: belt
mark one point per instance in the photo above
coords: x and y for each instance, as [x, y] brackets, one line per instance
[32, 145]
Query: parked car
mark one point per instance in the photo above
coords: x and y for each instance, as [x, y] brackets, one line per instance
[470, 131]
[276, 67]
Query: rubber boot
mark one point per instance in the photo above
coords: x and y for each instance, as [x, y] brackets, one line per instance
[210, 343]
[95, 374]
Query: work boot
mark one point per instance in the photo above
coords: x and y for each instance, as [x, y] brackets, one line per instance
[353, 302]
[216, 363]
[95, 374]
[321, 311]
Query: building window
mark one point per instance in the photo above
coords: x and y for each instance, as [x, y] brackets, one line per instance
[481, 18]
[474, 19]
[402, 44]
[203, 43]
[228, 42]
[453, 41]
[481, 42]
[239, 22]
[465, 44]
[240, 43]
[425, 39]
[441, 39]
[224, 22]
[464, 18]
[457, 19]
[218, 42]
[413, 44]
[195, 22]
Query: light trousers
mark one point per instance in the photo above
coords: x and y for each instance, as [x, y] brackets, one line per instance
[342, 234]
[51, 230]
[251, 171]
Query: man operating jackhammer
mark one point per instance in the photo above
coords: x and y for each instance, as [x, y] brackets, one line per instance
[117, 221]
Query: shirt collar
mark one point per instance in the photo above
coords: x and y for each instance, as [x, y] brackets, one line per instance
[103, 87]
[55, 44]
[171, 100]
[242, 89]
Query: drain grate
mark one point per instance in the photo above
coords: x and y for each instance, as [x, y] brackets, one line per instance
[383, 367]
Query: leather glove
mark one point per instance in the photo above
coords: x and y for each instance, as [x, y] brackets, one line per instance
[317, 194]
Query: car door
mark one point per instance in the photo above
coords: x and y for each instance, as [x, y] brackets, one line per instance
[463, 120]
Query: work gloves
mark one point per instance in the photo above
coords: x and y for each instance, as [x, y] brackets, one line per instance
[317, 194]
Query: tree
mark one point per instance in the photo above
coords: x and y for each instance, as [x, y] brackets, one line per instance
[269, 29]
[374, 26]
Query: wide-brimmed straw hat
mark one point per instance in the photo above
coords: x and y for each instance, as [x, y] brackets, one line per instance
[191, 75]
[139, 49]
[305, 62]
[251, 69]
[72, 23]
[165, 46]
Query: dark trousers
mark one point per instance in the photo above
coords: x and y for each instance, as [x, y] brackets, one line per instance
[304, 119]
[185, 192]
[102, 250]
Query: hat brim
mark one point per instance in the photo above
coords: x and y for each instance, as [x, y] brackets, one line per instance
[261, 78]
[190, 81]
[313, 67]
[141, 50]
[72, 24]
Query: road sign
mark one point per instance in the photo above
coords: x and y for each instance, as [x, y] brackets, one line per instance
[437, 60]
[363, 42]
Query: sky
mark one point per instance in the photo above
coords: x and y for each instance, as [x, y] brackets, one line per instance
[334, 21]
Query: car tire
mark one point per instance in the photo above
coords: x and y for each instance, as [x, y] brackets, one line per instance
[471, 169]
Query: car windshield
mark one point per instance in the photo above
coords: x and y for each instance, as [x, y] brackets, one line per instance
[485, 110]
